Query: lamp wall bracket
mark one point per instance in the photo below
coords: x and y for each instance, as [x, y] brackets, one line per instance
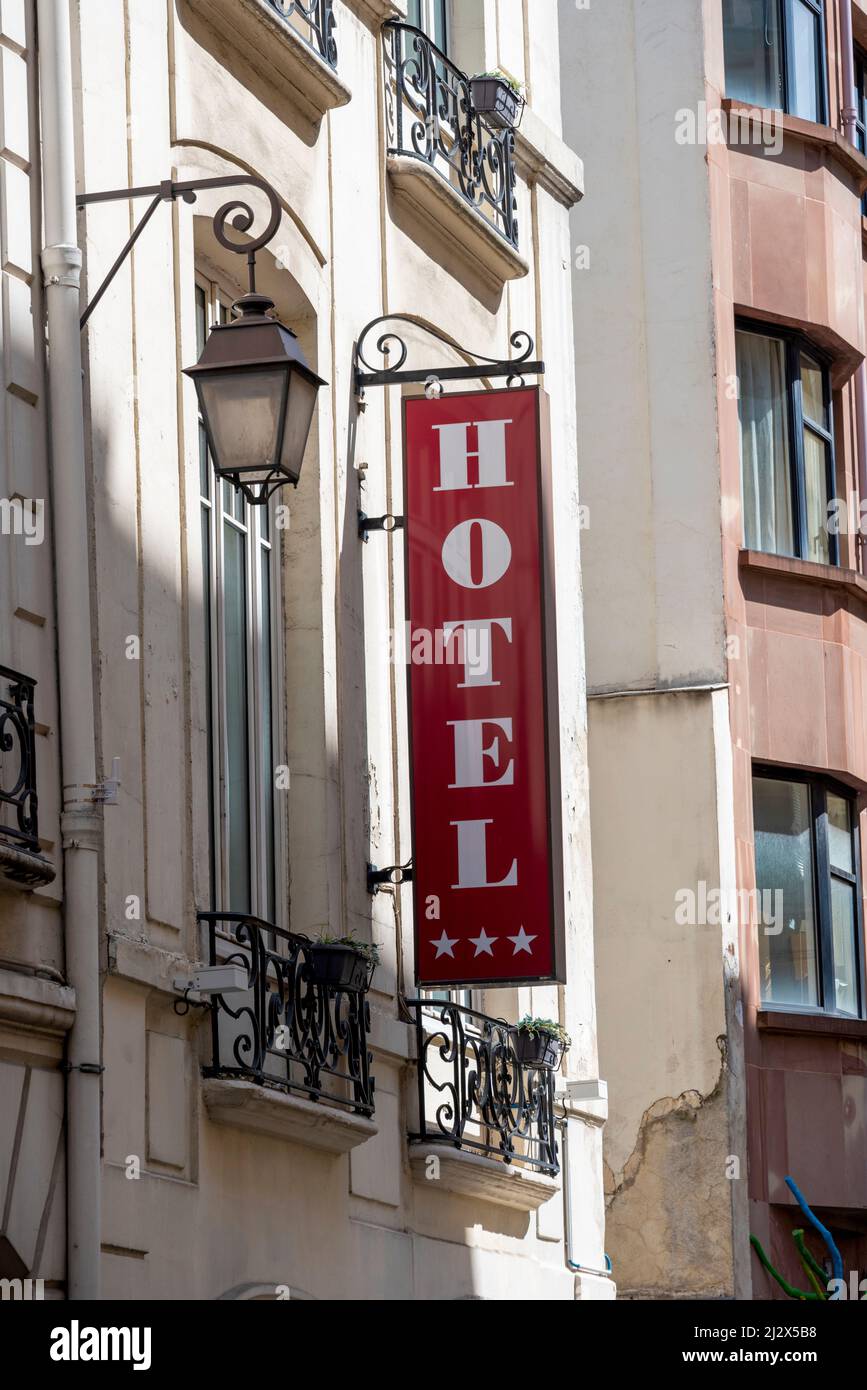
[168, 192]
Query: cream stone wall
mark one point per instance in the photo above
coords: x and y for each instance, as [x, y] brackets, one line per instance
[35, 1006]
[194, 1206]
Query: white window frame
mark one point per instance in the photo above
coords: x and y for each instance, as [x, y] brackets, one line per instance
[226, 507]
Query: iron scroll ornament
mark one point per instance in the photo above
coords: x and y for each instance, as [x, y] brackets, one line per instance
[366, 374]
[168, 192]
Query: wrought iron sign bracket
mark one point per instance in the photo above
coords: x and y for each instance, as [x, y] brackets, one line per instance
[513, 369]
[395, 875]
[169, 192]
[389, 523]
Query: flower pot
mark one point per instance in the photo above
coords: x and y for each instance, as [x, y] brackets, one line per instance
[496, 101]
[338, 966]
[536, 1049]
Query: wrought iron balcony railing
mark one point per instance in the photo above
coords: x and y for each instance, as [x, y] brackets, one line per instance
[474, 1093]
[429, 116]
[314, 21]
[288, 1030]
[18, 801]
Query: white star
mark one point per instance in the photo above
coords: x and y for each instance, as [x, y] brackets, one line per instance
[522, 942]
[483, 943]
[444, 945]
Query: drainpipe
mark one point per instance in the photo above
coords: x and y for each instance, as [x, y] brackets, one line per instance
[849, 111]
[565, 1166]
[848, 116]
[81, 822]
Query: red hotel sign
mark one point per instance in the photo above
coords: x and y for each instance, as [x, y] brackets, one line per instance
[487, 854]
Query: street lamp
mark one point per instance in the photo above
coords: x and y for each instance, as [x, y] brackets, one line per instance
[256, 392]
[257, 396]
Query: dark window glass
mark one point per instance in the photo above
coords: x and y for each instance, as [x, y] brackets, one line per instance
[774, 55]
[807, 906]
[432, 17]
[787, 447]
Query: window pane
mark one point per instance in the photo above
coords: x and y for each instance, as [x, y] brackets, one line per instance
[784, 867]
[204, 470]
[816, 491]
[765, 471]
[753, 52]
[440, 27]
[201, 319]
[413, 13]
[840, 834]
[237, 789]
[813, 391]
[209, 714]
[845, 958]
[267, 741]
[804, 97]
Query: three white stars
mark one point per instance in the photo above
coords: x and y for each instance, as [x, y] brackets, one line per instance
[483, 943]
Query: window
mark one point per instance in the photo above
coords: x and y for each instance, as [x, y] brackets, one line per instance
[775, 55]
[787, 447]
[432, 17]
[809, 894]
[861, 110]
[241, 578]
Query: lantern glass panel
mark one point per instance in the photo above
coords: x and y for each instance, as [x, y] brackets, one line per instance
[299, 417]
[242, 410]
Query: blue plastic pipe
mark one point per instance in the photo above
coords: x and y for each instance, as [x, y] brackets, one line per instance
[836, 1258]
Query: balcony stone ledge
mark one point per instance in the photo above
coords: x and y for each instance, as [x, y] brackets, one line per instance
[281, 1115]
[278, 52]
[23, 868]
[542, 157]
[375, 12]
[485, 1179]
[430, 199]
[43, 1006]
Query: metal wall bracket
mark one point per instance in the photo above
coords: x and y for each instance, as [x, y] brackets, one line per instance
[395, 875]
[103, 793]
[389, 523]
[168, 192]
[514, 369]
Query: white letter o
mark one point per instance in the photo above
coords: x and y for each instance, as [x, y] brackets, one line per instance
[496, 553]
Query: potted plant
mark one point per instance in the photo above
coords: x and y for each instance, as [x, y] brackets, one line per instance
[540, 1042]
[498, 98]
[343, 963]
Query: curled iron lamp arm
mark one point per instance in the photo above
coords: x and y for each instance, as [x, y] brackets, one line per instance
[168, 192]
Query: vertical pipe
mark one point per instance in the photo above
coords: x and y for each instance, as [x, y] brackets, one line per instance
[849, 114]
[848, 109]
[81, 820]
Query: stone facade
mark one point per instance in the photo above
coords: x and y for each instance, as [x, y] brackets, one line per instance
[226, 1189]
